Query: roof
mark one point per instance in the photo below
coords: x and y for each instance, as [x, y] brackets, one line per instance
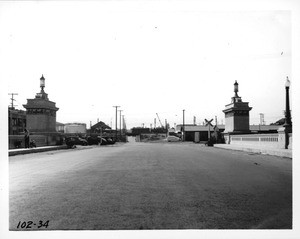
[201, 127]
[75, 123]
[264, 127]
[100, 124]
[222, 127]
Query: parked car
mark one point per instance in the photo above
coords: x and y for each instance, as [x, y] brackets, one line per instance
[110, 141]
[92, 140]
[75, 140]
[102, 141]
[172, 138]
[32, 144]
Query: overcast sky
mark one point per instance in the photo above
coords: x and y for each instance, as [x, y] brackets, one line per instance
[146, 58]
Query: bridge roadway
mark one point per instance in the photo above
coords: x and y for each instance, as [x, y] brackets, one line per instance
[150, 186]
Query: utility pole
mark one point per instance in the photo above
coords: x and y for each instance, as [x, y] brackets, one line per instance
[12, 99]
[154, 123]
[183, 133]
[216, 133]
[120, 123]
[12, 107]
[116, 121]
[123, 123]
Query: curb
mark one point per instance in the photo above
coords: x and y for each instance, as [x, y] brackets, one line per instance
[36, 150]
[274, 152]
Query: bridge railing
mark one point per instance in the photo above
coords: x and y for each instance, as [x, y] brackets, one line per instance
[265, 140]
[275, 140]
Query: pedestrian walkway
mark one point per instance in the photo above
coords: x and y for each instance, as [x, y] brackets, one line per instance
[256, 149]
[12, 152]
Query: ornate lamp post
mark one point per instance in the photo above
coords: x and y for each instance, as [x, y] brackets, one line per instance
[236, 88]
[42, 83]
[288, 123]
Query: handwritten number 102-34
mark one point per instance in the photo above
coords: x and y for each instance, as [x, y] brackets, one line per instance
[30, 224]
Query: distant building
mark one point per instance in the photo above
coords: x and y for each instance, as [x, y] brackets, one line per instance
[263, 129]
[60, 127]
[198, 133]
[16, 121]
[100, 126]
[75, 128]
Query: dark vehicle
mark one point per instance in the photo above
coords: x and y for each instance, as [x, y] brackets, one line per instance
[102, 141]
[110, 141]
[92, 140]
[32, 144]
[95, 140]
[75, 140]
[18, 144]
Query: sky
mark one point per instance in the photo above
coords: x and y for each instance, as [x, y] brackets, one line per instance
[147, 58]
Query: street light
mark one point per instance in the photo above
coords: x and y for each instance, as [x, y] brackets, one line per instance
[288, 123]
[236, 88]
[42, 83]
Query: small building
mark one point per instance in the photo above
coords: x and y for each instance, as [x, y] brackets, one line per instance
[16, 121]
[264, 129]
[198, 133]
[60, 127]
[98, 127]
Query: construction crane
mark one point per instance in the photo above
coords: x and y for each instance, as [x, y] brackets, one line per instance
[159, 121]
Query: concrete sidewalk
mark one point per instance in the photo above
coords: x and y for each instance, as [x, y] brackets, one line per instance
[255, 149]
[12, 152]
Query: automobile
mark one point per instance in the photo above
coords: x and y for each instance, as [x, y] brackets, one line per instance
[172, 138]
[110, 141]
[32, 144]
[75, 140]
[102, 141]
[92, 140]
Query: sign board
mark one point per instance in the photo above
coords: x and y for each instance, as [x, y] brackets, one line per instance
[208, 123]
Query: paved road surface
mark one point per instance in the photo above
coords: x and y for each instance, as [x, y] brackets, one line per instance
[150, 186]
